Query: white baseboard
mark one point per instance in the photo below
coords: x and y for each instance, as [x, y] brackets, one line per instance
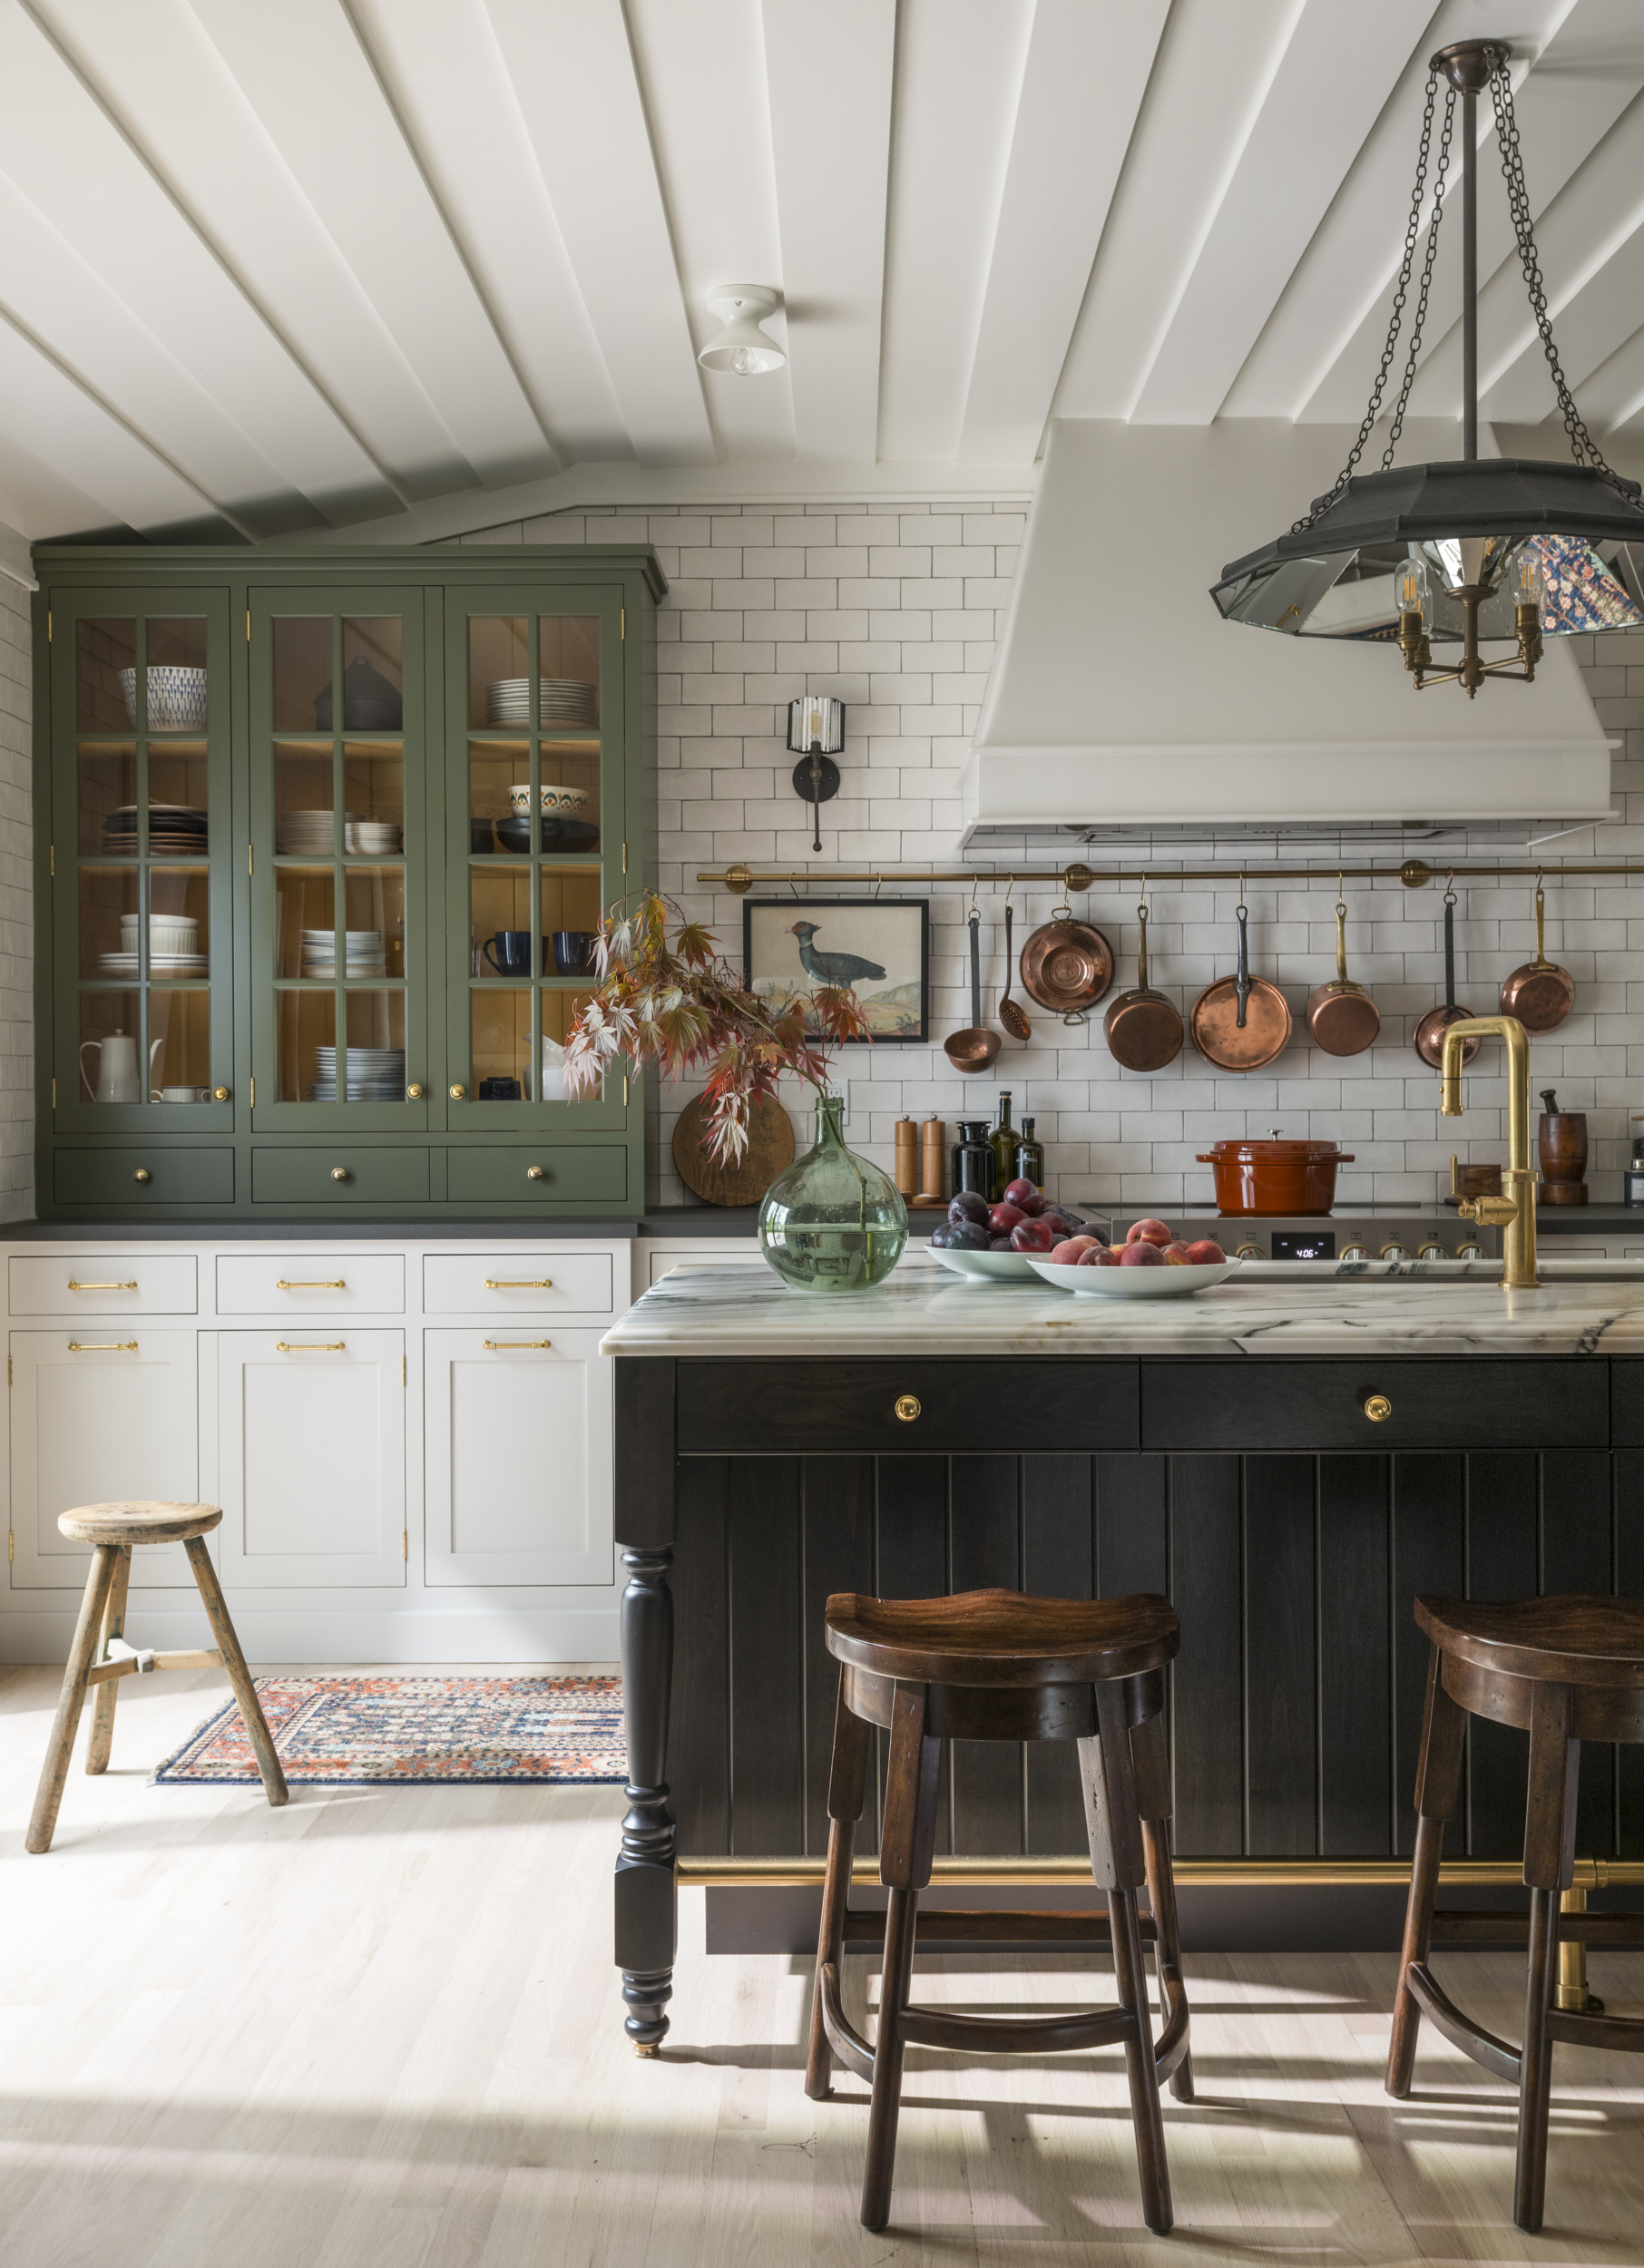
[504, 1634]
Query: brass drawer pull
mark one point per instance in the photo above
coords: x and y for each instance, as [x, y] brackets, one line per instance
[328, 1283]
[517, 1283]
[493, 1346]
[339, 1173]
[908, 1407]
[536, 1173]
[73, 1286]
[102, 1346]
[143, 1174]
[1378, 1407]
[309, 1346]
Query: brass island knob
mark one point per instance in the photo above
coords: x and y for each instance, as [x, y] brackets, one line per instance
[1378, 1407]
[908, 1407]
[143, 1174]
[536, 1173]
[339, 1173]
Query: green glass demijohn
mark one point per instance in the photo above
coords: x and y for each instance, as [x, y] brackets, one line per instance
[832, 1222]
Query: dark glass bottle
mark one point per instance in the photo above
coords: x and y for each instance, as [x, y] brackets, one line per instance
[974, 1164]
[1029, 1157]
[1004, 1139]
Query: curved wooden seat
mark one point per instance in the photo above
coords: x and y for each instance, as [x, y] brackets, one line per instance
[139, 1522]
[1000, 1664]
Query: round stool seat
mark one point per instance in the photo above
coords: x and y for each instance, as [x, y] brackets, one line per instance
[1003, 1638]
[1573, 1637]
[137, 1522]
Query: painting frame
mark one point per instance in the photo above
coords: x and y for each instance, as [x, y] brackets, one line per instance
[894, 933]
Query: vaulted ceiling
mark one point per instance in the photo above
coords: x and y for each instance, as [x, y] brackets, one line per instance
[286, 266]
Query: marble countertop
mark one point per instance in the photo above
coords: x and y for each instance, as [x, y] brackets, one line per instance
[744, 1310]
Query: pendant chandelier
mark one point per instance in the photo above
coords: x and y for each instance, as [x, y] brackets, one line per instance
[1453, 553]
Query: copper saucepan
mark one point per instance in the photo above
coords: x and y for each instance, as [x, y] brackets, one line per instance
[1066, 965]
[1342, 1017]
[1430, 1033]
[1241, 1024]
[1143, 1028]
[1539, 992]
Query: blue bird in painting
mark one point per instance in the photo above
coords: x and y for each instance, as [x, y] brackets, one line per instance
[830, 968]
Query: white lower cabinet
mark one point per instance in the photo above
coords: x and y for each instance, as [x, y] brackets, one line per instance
[518, 1484]
[105, 1415]
[311, 1447]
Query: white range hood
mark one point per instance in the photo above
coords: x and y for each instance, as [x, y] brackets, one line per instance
[1120, 704]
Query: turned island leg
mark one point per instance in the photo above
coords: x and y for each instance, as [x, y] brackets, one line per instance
[645, 1898]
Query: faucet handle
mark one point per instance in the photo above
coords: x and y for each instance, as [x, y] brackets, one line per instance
[1490, 1212]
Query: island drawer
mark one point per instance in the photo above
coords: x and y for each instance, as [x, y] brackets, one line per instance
[93, 1283]
[1439, 1401]
[915, 1407]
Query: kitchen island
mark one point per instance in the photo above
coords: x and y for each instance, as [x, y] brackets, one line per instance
[1290, 1462]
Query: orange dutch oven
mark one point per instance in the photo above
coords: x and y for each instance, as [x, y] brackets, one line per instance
[1274, 1177]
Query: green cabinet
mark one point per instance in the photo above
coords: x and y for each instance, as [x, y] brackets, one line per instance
[325, 838]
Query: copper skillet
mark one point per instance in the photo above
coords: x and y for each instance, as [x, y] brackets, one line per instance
[1143, 1028]
[1342, 1017]
[1430, 1033]
[1241, 1024]
[1538, 993]
[1066, 965]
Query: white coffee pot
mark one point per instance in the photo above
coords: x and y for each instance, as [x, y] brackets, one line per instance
[117, 1079]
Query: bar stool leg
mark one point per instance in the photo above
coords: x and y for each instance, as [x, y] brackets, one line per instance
[239, 1676]
[1438, 1798]
[49, 1795]
[1116, 1862]
[1548, 1866]
[847, 1782]
[905, 1852]
[113, 1626]
[1153, 1801]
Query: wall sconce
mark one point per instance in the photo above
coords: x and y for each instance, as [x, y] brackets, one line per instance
[816, 730]
[743, 348]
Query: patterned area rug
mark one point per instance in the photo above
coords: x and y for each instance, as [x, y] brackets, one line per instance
[345, 1732]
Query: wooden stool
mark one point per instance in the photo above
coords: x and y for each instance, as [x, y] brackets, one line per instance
[112, 1530]
[997, 1665]
[1564, 1669]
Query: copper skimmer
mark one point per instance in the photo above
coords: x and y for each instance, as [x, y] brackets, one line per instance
[1010, 1015]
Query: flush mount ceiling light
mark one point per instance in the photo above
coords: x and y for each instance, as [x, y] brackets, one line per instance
[1448, 553]
[743, 348]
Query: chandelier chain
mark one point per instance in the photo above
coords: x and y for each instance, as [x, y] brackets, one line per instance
[1321, 504]
[1420, 303]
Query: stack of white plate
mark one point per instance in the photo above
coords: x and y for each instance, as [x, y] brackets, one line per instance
[363, 952]
[373, 838]
[124, 965]
[561, 702]
[375, 1075]
[309, 834]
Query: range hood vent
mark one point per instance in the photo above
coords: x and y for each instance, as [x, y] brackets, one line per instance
[1123, 711]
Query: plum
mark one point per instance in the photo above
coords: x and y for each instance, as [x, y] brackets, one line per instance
[1066, 1254]
[1024, 1195]
[1000, 1244]
[964, 1235]
[968, 1204]
[1098, 1256]
[1153, 1232]
[1058, 1220]
[1033, 1236]
[1141, 1255]
[1003, 1218]
[1205, 1254]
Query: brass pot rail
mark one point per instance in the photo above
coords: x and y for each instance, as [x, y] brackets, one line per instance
[1209, 1874]
[1413, 873]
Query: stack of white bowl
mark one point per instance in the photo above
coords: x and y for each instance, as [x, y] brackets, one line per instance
[173, 946]
[364, 954]
[373, 838]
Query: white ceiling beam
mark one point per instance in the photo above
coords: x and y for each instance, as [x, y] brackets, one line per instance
[1083, 86]
[578, 92]
[829, 74]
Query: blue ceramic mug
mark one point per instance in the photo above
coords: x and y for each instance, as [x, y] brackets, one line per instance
[509, 951]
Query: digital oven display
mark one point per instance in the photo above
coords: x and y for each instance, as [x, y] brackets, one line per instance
[1317, 1244]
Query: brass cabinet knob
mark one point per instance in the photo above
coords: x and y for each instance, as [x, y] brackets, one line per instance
[219, 1094]
[457, 1093]
[339, 1173]
[536, 1173]
[143, 1174]
[414, 1094]
[1378, 1407]
[908, 1407]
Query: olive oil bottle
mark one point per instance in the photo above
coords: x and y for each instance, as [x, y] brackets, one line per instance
[1005, 1139]
[1029, 1157]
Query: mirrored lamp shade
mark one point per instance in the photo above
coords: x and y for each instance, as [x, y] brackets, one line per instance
[742, 349]
[815, 722]
[1563, 537]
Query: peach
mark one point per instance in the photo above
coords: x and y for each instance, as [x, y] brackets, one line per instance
[1098, 1256]
[1065, 1256]
[1151, 1232]
[1176, 1254]
[1141, 1255]
[1205, 1254]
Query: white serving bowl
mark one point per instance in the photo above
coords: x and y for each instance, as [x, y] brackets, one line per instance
[1122, 1283]
[989, 1263]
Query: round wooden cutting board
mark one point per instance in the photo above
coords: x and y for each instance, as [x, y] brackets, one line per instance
[770, 1151]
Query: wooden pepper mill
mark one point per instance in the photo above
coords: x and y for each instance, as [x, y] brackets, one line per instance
[1560, 1140]
[933, 1164]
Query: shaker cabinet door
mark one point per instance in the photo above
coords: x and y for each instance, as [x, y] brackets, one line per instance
[519, 1481]
[311, 1430]
[106, 1413]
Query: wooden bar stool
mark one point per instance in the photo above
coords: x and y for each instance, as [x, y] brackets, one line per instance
[112, 1530]
[1564, 1669]
[998, 1665]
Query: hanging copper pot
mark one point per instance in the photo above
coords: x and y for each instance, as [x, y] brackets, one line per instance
[1539, 992]
[1430, 1033]
[1066, 965]
[1342, 1017]
[1143, 1028]
[1241, 1024]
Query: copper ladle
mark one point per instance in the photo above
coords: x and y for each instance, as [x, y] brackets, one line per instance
[1010, 1014]
[973, 1050]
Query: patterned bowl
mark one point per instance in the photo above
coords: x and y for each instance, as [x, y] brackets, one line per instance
[176, 697]
[559, 803]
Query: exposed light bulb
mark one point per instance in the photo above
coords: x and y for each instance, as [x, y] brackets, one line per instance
[743, 363]
[1412, 584]
[1529, 575]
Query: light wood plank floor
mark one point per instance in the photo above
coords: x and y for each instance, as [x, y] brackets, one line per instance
[382, 2028]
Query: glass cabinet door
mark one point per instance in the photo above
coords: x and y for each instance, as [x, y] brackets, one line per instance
[536, 844]
[339, 1014]
[142, 874]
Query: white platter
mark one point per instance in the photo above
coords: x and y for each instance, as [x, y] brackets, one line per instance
[1122, 1282]
[993, 1264]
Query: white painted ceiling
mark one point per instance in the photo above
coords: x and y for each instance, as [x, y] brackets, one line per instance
[287, 267]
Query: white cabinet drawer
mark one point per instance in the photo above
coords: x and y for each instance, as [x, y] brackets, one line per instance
[93, 1283]
[311, 1283]
[516, 1282]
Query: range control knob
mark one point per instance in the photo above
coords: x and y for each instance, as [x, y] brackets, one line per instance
[1250, 1252]
[1356, 1251]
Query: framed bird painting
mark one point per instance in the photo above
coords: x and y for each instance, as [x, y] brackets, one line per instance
[880, 947]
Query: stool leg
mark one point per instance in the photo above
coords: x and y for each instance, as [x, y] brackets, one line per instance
[1438, 1798]
[234, 1662]
[846, 1781]
[1548, 1866]
[1116, 1862]
[905, 1867]
[113, 1626]
[1153, 1801]
[49, 1796]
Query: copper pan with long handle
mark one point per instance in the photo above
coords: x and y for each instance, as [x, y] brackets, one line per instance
[1430, 1033]
[1143, 1028]
[1342, 1017]
[1539, 992]
[1241, 1024]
